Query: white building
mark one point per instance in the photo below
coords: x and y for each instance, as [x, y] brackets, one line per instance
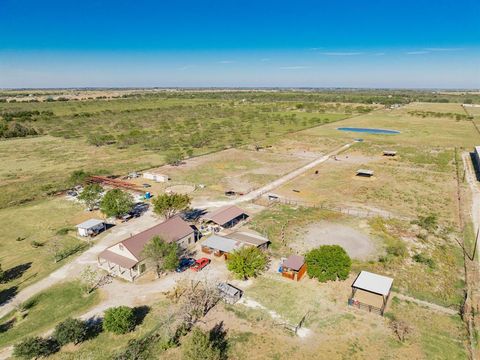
[90, 227]
[151, 175]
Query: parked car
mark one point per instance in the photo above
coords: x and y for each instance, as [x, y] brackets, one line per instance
[184, 264]
[146, 185]
[200, 264]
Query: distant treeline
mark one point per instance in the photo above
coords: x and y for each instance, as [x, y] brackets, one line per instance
[435, 114]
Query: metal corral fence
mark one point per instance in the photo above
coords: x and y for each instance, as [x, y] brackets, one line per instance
[344, 210]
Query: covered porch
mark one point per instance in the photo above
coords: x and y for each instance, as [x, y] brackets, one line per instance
[120, 266]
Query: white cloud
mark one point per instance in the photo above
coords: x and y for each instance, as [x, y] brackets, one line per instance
[342, 53]
[421, 52]
[443, 49]
[379, 54]
[226, 62]
[293, 67]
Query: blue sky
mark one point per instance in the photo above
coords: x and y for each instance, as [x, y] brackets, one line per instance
[240, 43]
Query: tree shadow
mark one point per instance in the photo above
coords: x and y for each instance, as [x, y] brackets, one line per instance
[218, 337]
[139, 313]
[94, 327]
[7, 295]
[7, 325]
[15, 272]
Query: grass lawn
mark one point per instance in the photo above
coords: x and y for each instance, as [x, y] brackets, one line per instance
[47, 309]
[337, 330]
[35, 223]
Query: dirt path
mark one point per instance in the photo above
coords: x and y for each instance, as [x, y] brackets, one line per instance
[72, 270]
[427, 304]
[274, 184]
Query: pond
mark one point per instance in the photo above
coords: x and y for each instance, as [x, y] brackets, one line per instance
[369, 130]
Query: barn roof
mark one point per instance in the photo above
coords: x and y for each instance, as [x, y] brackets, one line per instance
[248, 238]
[224, 215]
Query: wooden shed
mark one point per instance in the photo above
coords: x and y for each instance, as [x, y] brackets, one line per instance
[294, 267]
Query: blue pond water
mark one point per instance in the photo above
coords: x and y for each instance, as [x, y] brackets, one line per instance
[369, 130]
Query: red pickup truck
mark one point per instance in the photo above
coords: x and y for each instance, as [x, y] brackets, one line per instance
[200, 264]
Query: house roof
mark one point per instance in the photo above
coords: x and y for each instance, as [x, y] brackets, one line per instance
[224, 215]
[117, 259]
[374, 283]
[221, 243]
[248, 238]
[294, 262]
[171, 230]
[90, 224]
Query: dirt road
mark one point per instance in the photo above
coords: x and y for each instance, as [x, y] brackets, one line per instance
[72, 270]
[274, 184]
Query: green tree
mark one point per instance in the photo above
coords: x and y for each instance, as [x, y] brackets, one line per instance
[116, 203]
[199, 346]
[78, 177]
[91, 195]
[71, 331]
[161, 254]
[246, 262]
[328, 262]
[119, 320]
[173, 157]
[35, 347]
[168, 205]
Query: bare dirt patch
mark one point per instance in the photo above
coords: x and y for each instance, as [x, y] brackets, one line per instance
[357, 244]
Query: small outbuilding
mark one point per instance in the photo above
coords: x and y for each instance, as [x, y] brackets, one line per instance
[220, 246]
[229, 293]
[365, 172]
[225, 217]
[250, 239]
[389, 153]
[155, 176]
[371, 292]
[294, 267]
[91, 227]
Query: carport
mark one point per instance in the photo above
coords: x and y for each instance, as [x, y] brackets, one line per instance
[371, 292]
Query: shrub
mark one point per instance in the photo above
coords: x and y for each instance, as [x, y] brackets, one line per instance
[35, 347]
[119, 320]
[199, 346]
[247, 262]
[423, 259]
[328, 262]
[71, 331]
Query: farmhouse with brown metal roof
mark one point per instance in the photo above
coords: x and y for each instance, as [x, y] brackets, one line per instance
[125, 258]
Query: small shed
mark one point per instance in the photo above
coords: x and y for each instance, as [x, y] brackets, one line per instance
[365, 172]
[371, 292]
[389, 153]
[294, 267]
[157, 177]
[250, 239]
[229, 293]
[91, 227]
